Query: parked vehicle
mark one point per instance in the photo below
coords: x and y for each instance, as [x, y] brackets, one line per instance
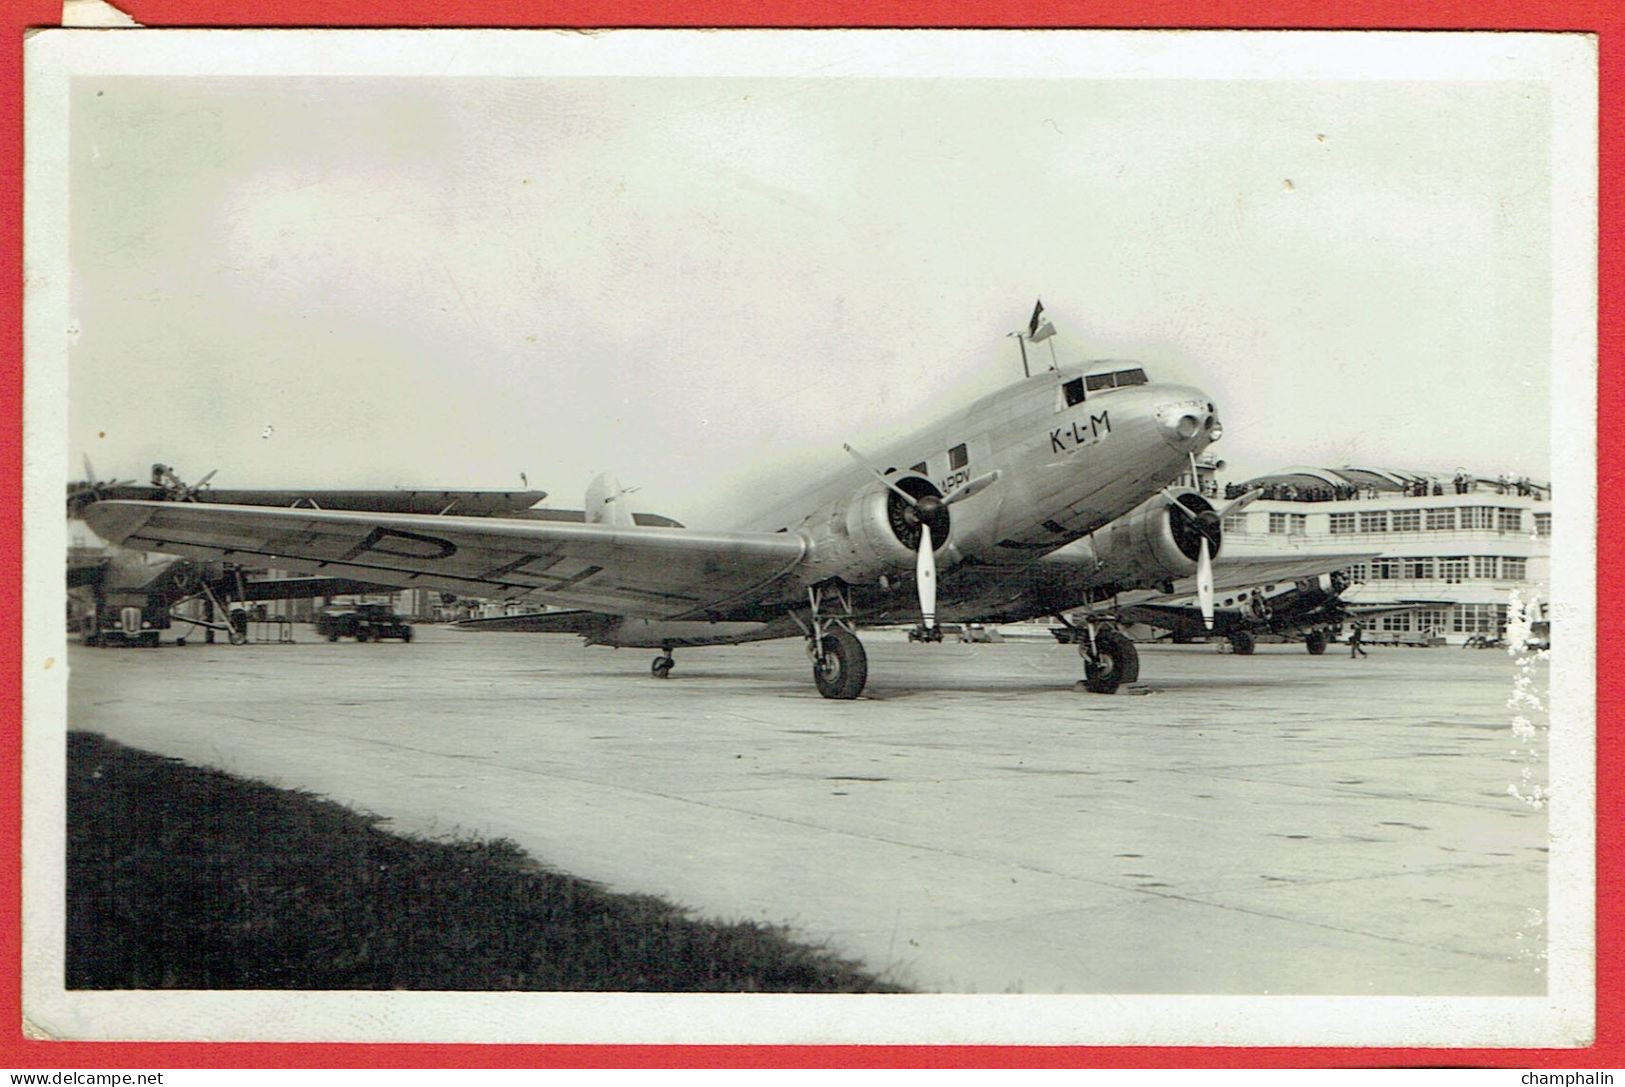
[363, 622]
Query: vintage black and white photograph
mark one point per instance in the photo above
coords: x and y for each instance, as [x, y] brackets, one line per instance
[810, 536]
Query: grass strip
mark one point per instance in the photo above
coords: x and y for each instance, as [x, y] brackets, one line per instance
[186, 877]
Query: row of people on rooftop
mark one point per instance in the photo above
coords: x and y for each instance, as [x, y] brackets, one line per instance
[1417, 488]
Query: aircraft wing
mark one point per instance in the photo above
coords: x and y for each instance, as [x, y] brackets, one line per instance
[657, 573]
[301, 588]
[547, 622]
[1392, 607]
[1247, 571]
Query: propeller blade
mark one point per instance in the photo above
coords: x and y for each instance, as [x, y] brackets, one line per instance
[1204, 585]
[970, 487]
[925, 576]
[904, 495]
[1242, 502]
[204, 482]
[90, 473]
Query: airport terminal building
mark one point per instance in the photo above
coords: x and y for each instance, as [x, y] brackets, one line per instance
[1464, 541]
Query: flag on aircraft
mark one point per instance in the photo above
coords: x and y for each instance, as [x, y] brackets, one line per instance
[1039, 329]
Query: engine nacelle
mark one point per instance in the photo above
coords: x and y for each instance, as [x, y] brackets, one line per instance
[1155, 542]
[876, 532]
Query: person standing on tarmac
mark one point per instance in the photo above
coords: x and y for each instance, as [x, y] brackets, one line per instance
[1354, 642]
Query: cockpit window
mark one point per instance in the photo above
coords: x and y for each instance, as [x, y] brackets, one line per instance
[1116, 379]
[1074, 391]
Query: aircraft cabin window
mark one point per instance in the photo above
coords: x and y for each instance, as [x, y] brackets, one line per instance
[958, 457]
[1073, 391]
[920, 468]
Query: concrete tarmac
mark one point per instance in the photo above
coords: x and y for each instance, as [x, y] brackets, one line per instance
[1279, 823]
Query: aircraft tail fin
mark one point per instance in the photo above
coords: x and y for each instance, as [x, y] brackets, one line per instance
[606, 502]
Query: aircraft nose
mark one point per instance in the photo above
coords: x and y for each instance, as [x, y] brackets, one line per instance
[1189, 419]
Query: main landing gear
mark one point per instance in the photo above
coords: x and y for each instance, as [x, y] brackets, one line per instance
[1241, 643]
[840, 665]
[1315, 642]
[1109, 658]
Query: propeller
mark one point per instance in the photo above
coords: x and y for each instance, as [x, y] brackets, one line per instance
[178, 490]
[1209, 527]
[1204, 585]
[927, 510]
[925, 577]
[92, 489]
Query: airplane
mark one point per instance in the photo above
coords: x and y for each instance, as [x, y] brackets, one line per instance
[133, 596]
[1276, 597]
[1051, 494]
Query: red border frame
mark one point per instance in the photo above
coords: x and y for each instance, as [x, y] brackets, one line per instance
[1595, 16]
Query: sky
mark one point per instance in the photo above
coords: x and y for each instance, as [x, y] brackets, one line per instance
[705, 285]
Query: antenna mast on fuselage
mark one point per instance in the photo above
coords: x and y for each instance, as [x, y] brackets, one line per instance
[1038, 329]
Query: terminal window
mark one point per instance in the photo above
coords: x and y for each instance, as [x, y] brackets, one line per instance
[1400, 622]
[1418, 569]
[1478, 618]
[1515, 569]
[1543, 524]
[1374, 522]
[1342, 523]
[1484, 566]
[1385, 570]
[1360, 572]
[1453, 569]
[1476, 517]
[1441, 519]
[1512, 520]
[1407, 520]
[1235, 522]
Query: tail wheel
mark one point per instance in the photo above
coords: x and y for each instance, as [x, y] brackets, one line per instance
[406, 634]
[362, 635]
[1241, 643]
[662, 666]
[1115, 662]
[842, 667]
[1316, 642]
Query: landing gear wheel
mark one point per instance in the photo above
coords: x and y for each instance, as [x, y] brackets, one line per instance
[406, 634]
[662, 666]
[1241, 643]
[332, 637]
[362, 636]
[238, 637]
[1315, 642]
[842, 667]
[1115, 662]
[180, 643]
